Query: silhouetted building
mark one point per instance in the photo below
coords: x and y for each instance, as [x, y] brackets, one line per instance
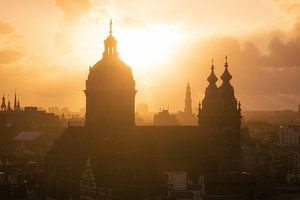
[131, 161]
[54, 110]
[110, 90]
[165, 118]
[221, 112]
[187, 117]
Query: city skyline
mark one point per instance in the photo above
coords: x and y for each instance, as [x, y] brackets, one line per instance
[261, 49]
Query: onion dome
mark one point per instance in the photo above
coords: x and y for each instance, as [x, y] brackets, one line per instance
[212, 79]
[226, 76]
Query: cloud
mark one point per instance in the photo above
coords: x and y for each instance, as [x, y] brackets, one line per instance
[73, 9]
[289, 6]
[9, 55]
[262, 80]
[6, 28]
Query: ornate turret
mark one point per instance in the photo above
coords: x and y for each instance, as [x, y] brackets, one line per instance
[221, 114]
[212, 79]
[110, 44]
[3, 104]
[110, 91]
[226, 91]
[188, 100]
[209, 102]
[226, 76]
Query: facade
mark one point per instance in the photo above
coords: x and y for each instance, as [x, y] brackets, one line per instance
[130, 161]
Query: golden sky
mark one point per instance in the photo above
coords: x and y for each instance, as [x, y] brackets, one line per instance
[47, 46]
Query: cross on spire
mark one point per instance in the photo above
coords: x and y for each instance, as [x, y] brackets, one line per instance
[110, 27]
[226, 61]
[110, 44]
[212, 64]
[212, 79]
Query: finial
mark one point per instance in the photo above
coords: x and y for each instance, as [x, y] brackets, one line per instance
[212, 64]
[110, 27]
[226, 61]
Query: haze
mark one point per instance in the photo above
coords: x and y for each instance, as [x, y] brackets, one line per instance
[46, 48]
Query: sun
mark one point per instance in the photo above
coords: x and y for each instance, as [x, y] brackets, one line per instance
[146, 47]
[142, 48]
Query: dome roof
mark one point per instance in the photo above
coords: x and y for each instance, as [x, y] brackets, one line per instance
[110, 69]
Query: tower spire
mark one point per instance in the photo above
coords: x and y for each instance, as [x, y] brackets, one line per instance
[188, 100]
[110, 44]
[15, 101]
[212, 79]
[226, 76]
[110, 27]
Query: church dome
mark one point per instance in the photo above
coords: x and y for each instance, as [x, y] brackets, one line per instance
[110, 69]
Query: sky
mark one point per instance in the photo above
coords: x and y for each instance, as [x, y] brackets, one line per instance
[46, 48]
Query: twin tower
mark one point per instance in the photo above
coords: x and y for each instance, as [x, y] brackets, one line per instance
[110, 95]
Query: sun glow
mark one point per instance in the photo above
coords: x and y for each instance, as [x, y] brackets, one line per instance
[144, 48]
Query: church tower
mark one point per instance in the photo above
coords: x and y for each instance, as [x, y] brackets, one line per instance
[209, 106]
[15, 102]
[188, 100]
[221, 114]
[230, 109]
[220, 108]
[110, 91]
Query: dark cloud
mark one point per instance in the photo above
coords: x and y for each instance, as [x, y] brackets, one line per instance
[263, 80]
[6, 28]
[8, 55]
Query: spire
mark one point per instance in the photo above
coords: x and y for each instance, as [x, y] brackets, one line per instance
[188, 100]
[212, 79]
[110, 27]
[110, 44]
[226, 76]
[3, 104]
[15, 101]
[188, 88]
